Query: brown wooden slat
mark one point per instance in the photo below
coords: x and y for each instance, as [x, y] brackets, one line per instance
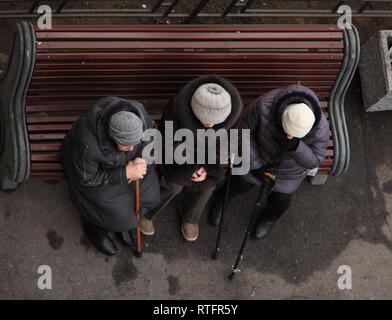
[146, 90]
[327, 162]
[45, 147]
[46, 166]
[232, 75]
[162, 65]
[194, 28]
[186, 56]
[33, 99]
[51, 119]
[57, 107]
[194, 36]
[56, 45]
[49, 157]
[47, 175]
[178, 84]
[83, 107]
[49, 127]
[46, 136]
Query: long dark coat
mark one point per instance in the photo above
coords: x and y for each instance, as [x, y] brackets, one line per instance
[180, 112]
[263, 118]
[95, 168]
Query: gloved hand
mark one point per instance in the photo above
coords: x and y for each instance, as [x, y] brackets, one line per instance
[261, 175]
[287, 144]
[251, 179]
[258, 178]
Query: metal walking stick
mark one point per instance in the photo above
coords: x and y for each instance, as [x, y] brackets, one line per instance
[260, 197]
[138, 251]
[225, 202]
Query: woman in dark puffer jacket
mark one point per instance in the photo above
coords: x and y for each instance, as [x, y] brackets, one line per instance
[289, 136]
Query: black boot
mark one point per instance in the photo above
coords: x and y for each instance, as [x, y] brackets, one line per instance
[263, 228]
[100, 239]
[127, 238]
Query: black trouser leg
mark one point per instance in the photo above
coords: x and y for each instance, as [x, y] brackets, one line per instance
[277, 205]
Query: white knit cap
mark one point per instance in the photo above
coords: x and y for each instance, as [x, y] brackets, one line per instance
[211, 103]
[297, 120]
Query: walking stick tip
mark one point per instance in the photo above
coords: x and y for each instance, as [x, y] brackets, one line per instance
[137, 254]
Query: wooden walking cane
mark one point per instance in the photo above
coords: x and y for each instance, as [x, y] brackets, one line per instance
[138, 251]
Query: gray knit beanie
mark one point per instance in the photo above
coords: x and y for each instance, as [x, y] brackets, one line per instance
[211, 103]
[125, 128]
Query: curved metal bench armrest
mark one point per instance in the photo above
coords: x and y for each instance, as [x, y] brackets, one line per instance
[337, 99]
[14, 82]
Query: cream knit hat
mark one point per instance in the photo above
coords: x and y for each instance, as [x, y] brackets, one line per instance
[211, 103]
[298, 120]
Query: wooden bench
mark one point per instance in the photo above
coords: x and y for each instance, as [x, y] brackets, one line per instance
[54, 75]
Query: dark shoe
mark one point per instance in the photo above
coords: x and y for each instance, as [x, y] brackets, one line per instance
[101, 241]
[263, 229]
[126, 238]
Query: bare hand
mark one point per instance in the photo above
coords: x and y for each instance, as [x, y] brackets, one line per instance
[199, 175]
[136, 169]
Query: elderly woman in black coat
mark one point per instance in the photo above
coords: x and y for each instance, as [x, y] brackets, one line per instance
[102, 156]
[208, 102]
[289, 135]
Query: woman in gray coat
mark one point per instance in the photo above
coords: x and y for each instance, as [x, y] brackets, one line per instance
[289, 136]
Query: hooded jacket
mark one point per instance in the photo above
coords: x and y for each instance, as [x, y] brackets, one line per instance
[263, 118]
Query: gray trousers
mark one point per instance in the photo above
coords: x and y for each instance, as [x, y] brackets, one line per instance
[192, 202]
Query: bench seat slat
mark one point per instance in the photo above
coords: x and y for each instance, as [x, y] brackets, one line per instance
[46, 166]
[46, 136]
[232, 75]
[224, 65]
[196, 28]
[129, 84]
[49, 127]
[47, 176]
[48, 157]
[34, 147]
[336, 45]
[195, 36]
[34, 99]
[51, 119]
[307, 56]
[151, 90]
